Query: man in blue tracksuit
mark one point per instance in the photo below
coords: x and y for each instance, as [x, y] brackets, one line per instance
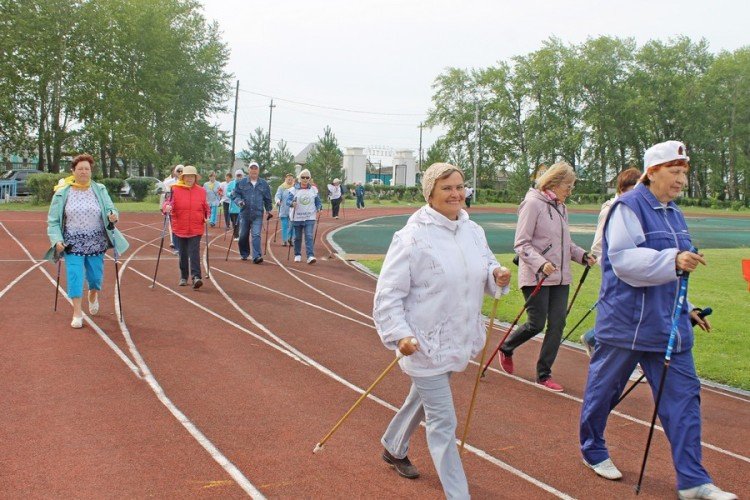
[253, 195]
[646, 244]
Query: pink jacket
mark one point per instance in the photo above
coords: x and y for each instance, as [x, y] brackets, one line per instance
[543, 227]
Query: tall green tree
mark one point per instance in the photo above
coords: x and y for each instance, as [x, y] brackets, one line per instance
[283, 160]
[257, 150]
[326, 159]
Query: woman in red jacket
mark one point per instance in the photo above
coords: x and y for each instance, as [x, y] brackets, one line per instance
[189, 211]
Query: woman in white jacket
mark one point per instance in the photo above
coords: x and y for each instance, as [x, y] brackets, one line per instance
[428, 306]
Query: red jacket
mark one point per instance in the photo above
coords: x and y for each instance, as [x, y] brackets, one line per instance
[189, 210]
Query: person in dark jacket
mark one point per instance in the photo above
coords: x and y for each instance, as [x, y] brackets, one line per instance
[253, 195]
[646, 248]
[189, 211]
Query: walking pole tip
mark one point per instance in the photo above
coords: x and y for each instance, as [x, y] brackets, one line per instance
[318, 447]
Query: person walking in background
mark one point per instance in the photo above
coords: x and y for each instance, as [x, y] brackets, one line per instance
[168, 183]
[80, 225]
[334, 195]
[224, 198]
[626, 180]
[234, 208]
[213, 197]
[469, 192]
[439, 254]
[646, 248]
[359, 192]
[544, 247]
[253, 195]
[189, 210]
[280, 198]
[305, 203]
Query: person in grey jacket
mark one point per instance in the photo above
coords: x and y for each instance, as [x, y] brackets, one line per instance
[438, 256]
[544, 247]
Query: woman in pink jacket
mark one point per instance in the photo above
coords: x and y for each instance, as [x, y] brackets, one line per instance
[544, 248]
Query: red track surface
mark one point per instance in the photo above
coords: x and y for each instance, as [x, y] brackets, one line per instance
[260, 362]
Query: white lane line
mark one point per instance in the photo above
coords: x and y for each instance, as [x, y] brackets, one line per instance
[291, 297]
[329, 297]
[206, 443]
[20, 277]
[88, 320]
[343, 381]
[370, 292]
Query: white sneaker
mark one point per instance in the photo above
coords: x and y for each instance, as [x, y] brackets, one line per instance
[297, 258]
[311, 260]
[605, 469]
[77, 322]
[94, 306]
[708, 491]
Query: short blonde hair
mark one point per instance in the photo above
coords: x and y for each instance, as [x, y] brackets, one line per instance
[556, 175]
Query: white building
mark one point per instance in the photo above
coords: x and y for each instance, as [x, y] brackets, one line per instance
[380, 164]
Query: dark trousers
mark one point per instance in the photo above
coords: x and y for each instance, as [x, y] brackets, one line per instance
[360, 201]
[226, 213]
[335, 204]
[548, 306]
[235, 227]
[189, 249]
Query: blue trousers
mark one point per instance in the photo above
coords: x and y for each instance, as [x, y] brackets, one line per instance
[589, 337]
[245, 228]
[214, 213]
[308, 228]
[78, 267]
[679, 409]
[430, 398]
[286, 229]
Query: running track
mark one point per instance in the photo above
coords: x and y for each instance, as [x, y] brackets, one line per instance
[224, 392]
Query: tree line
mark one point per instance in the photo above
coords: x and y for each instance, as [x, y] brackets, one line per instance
[598, 105]
[130, 81]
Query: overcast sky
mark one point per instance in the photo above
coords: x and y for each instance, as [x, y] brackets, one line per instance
[381, 57]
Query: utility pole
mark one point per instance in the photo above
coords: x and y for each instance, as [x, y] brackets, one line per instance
[476, 158]
[420, 146]
[270, 118]
[234, 127]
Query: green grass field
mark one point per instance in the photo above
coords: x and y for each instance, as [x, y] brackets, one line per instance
[721, 355]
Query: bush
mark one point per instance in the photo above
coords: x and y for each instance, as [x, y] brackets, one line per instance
[113, 185]
[140, 187]
[42, 186]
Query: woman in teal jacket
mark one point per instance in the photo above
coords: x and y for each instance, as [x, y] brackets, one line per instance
[80, 225]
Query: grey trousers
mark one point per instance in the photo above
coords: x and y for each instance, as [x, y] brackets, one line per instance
[430, 398]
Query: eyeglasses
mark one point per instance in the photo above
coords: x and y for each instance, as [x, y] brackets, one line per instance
[179, 171]
[304, 177]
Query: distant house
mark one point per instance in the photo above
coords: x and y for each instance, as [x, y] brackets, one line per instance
[302, 157]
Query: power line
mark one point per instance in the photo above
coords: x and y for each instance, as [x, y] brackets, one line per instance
[345, 110]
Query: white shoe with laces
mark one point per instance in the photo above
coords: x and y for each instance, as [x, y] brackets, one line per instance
[605, 469]
[708, 491]
[94, 306]
[297, 258]
[311, 260]
[77, 322]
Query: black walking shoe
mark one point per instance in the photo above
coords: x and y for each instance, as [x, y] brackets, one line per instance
[197, 283]
[257, 260]
[402, 465]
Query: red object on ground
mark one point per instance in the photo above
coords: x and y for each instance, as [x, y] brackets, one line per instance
[746, 272]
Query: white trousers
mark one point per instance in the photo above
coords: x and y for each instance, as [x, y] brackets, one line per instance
[430, 398]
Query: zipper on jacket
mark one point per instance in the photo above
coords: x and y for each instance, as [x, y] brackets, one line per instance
[562, 243]
[677, 286]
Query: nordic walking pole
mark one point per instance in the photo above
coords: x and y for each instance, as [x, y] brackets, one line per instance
[276, 229]
[268, 226]
[57, 284]
[322, 442]
[498, 294]
[161, 247]
[317, 223]
[510, 328]
[208, 262]
[229, 248]
[667, 358]
[111, 227]
[578, 288]
[579, 322]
